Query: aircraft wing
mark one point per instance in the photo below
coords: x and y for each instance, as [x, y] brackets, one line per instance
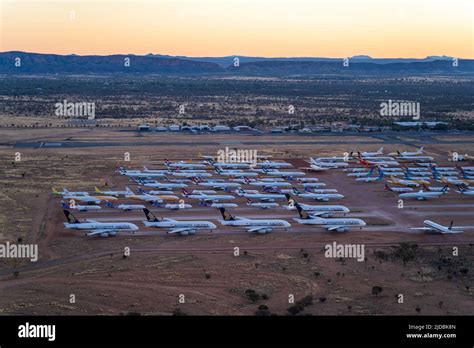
[423, 228]
[257, 228]
[333, 227]
[179, 230]
[96, 232]
[317, 213]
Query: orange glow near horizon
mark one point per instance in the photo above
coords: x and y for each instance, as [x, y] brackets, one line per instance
[271, 28]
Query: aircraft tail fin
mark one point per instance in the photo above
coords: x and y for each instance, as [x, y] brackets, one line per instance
[70, 217]
[54, 191]
[226, 215]
[303, 214]
[97, 190]
[149, 215]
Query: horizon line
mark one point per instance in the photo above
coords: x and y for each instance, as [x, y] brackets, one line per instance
[232, 55]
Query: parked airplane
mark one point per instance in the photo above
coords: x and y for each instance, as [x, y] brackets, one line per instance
[325, 163]
[285, 174]
[317, 196]
[66, 192]
[267, 183]
[234, 173]
[370, 154]
[126, 207]
[263, 205]
[79, 207]
[317, 210]
[166, 197]
[144, 197]
[436, 188]
[207, 198]
[398, 189]
[422, 195]
[271, 164]
[174, 226]
[382, 163]
[174, 206]
[216, 185]
[371, 178]
[407, 158]
[431, 226]
[165, 186]
[103, 229]
[332, 224]
[252, 225]
[402, 182]
[111, 193]
[407, 153]
[265, 197]
[182, 164]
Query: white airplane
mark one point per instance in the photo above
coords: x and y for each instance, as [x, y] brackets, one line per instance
[306, 180]
[217, 185]
[321, 163]
[252, 225]
[398, 189]
[406, 153]
[370, 154]
[205, 192]
[141, 174]
[421, 195]
[286, 174]
[266, 183]
[144, 197]
[126, 207]
[317, 196]
[103, 229]
[263, 205]
[313, 184]
[190, 175]
[234, 172]
[224, 205]
[317, 210]
[180, 227]
[174, 206]
[207, 198]
[110, 193]
[79, 207]
[242, 165]
[333, 224]
[182, 164]
[164, 186]
[431, 226]
[371, 178]
[264, 197]
[416, 158]
[270, 164]
[316, 168]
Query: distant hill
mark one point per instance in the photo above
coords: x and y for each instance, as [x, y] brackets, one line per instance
[36, 63]
[286, 68]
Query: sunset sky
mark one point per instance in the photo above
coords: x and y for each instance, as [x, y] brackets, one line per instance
[272, 28]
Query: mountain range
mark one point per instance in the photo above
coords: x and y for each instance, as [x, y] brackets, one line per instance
[17, 63]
